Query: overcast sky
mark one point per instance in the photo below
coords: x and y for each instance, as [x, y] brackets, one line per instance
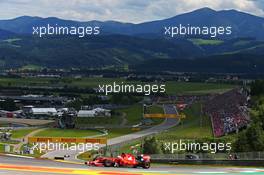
[135, 11]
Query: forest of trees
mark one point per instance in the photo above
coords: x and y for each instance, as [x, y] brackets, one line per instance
[252, 139]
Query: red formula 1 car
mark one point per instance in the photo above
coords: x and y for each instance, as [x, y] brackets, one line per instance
[124, 160]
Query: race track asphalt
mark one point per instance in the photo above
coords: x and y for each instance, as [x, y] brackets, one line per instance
[25, 166]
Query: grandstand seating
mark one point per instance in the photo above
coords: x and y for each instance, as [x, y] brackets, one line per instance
[228, 112]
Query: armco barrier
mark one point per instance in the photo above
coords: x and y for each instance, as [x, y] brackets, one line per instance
[233, 159]
[259, 163]
[207, 156]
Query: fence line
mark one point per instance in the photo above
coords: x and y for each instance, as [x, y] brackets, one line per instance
[208, 156]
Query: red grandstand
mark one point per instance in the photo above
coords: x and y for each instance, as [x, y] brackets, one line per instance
[228, 112]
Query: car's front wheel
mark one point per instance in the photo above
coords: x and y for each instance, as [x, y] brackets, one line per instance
[146, 165]
[108, 163]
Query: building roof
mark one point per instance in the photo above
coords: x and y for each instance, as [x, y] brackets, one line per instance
[44, 110]
[86, 112]
[101, 110]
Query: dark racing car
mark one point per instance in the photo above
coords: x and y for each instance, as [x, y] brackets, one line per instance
[124, 160]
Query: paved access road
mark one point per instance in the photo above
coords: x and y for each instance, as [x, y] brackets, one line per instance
[167, 124]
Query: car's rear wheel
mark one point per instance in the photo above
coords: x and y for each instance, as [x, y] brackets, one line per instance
[108, 163]
[146, 165]
[116, 164]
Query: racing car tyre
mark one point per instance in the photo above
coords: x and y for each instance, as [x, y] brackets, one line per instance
[108, 163]
[146, 165]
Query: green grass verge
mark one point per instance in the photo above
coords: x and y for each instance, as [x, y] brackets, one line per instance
[195, 126]
[2, 149]
[117, 132]
[127, 148]
[86, 121]
[53, 132]
[133, 114]
[156, 110]
[21, 133]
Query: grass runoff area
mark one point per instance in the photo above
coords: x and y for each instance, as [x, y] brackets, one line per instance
[172, 87]
[117, 132]
[133, 114]
[2, 148]
[94, 121]
[156, 110]
[55, 132]
[195, 126]
[20, 133]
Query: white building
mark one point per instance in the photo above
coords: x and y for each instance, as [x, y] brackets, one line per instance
[97, 112]
[86, 113]
[43, 111]
[103, 112]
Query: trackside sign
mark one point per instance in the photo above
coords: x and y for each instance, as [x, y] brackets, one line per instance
[66, 140]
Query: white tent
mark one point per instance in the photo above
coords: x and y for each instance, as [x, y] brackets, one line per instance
[86, 113]
[43, 111]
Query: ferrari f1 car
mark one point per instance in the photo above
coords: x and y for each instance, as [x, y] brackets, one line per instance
[124, 160]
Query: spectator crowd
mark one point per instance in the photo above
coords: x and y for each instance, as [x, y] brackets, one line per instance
[228, 112]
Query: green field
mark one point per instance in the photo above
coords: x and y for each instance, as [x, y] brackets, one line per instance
[21, 133]
[2, 148]
[206, 42]
[31, 67]
[156, 110]
[133, 114]
[16, 82]
[195, 126]
[53, 132]
[86, 121]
